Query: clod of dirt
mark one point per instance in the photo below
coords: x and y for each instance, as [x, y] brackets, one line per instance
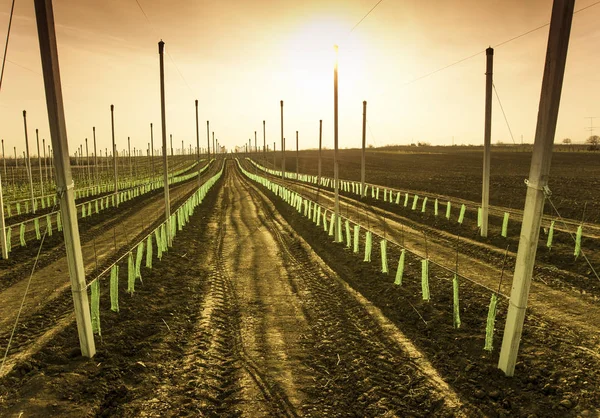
[479, 394]
[565, 403]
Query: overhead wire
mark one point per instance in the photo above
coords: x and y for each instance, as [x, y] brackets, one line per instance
[12, 9]
[504, 114]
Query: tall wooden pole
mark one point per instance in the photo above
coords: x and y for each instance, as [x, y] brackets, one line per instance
[255, 147]
[114, 150]
[337, 232]
[4, 159]
[3, 243]
[487, 142]
[208, 140]
[28, 162]
[161, 46]
[45, 161]
[37, 137]
[171, 141]
[363, 154]
[274, 154]
[282, 145]
[64, 182]
[198, 144]
[556, 57]
[152, 148]
[95, 156]
[264, 143]
[320, 147]
[214, 147]
[87, 157]
[129, 157]
[297, 160]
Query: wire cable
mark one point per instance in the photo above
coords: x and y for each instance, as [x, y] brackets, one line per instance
[12, 9]
[505, 118]
[365, 16]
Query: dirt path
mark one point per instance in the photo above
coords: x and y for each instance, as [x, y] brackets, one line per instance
[278, 334]
[48, 301]
[554, 305]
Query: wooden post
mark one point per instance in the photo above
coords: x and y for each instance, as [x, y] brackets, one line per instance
[171, 139]
[95, 156]
[114, 151]
[3, 242]
[129, 157]
[282, 145]
[556, 56]
[64, 182]
[198, 144]
[37, 136]
[297, 160]
[87, 157]
[161, 46]
[255, 147]
[4, 159]
[28, 162]
[214, 148]
[208, 140]
[363, 155]
[152, 148]
[487, 142]
[274, 154]
[336, 232]
[264, 144]
[320, 143]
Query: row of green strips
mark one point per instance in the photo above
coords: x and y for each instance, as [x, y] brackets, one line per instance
[416, 203]
[135, 256]
[89, 208]
[23, 206]
[316, 213]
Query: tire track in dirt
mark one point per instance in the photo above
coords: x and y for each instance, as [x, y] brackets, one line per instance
[48, 304]
[553, 305]
[355, 365]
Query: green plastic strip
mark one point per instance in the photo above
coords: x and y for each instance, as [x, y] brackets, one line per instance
[325, 220]
[461, 217]
[368, 238]
[138, 260]
[114, 288]
[96, 307]
[8, 236]
[424, 205]
[384, 263]
[58, 222]
[479, 216]
[130, 274]
[83, 211]
[425, 279]
[550, 235]
[158, 243]
[435, 207]
[356, 238]
[415, 200]
[491, 320]
[400, 271]
[406, 200]
[348, 235]
[331, 224]
[578, 241]
[22, 234]
[36, 224]
[456, 307]
[49, 225]
[505, 224]
[448, 206]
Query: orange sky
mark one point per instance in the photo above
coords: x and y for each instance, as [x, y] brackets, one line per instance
[240, 58]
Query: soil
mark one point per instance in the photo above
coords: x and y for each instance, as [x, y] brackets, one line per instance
[255, 312]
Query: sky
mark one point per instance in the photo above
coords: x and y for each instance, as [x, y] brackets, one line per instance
[239, 58]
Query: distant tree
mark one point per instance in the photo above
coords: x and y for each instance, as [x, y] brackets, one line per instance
[593, 140]
[423, 144]
[567, 141]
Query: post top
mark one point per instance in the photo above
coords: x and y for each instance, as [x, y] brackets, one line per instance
[489, 51]
[281, 102]
[161, 46]
[112, 107]
[93, 128]
[364, 102]
[196, 102]
[24, 113]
